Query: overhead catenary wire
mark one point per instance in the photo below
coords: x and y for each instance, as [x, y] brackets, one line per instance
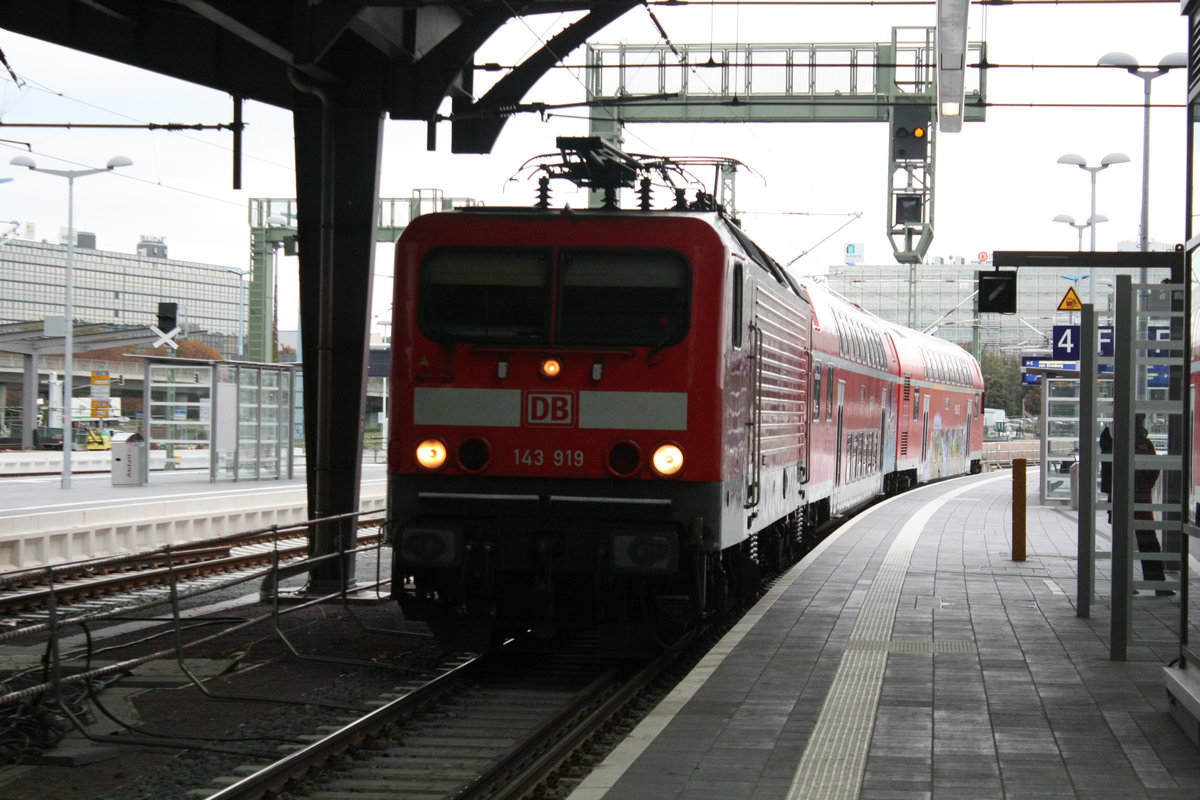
[25, 81]
[856, 215]
[28, 148]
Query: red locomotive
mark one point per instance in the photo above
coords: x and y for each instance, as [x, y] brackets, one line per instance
[619, 418]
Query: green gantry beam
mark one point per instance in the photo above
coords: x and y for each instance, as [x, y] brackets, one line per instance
[831, 82]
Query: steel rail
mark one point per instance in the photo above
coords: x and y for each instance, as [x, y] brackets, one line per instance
[518, 772]
[276, 777]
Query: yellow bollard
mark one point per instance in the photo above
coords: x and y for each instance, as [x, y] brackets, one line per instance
[1018, 509]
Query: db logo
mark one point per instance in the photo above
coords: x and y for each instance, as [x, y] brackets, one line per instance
[550, 408]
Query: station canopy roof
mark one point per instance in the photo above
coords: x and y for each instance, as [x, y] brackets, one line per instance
[31, 337]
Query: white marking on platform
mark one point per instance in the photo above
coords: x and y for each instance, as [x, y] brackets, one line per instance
[835, 757]
[608, 772]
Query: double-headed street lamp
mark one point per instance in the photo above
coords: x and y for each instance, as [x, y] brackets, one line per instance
[1079, 161]
[68, 427]
[1079, 226]
[1130, 65]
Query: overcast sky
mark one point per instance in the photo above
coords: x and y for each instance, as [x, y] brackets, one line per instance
[998, 184]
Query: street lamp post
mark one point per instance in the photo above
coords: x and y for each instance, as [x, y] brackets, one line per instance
[68, 297]
[241, 273]
[1079, 161]
[1130, 65]
[1079, 226]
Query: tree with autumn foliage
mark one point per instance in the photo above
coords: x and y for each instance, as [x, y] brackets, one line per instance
[189, 349]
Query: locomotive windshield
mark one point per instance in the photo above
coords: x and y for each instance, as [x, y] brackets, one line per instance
[486, 295]
[622, 298]
[607, 297]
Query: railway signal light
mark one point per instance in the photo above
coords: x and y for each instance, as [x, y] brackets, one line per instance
[908, 208]
[910, 132]
[997, 292]
[167, 313]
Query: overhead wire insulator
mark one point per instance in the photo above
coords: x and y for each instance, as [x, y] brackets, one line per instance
[543, 192]
[644, 194]
[680, 200]
[610, 198]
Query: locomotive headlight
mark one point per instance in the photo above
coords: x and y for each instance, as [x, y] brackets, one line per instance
[645, 552]
[430, 547]
[667, 460]
[550, 368]
[431, 453]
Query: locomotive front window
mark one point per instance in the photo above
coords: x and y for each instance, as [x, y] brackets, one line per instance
[612, 297]
[486, 295]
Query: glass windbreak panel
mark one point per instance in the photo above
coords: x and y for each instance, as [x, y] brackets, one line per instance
[1064, 408]
[485, 295]
[1063, 428]
[613, 297]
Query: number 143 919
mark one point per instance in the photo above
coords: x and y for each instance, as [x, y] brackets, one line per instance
[537, 458]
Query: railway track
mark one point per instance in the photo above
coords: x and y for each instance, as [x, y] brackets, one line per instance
[516, 724]
[91, 587]
[489, 727]
[508, 725]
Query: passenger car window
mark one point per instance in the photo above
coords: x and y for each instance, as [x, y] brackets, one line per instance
[816, 392]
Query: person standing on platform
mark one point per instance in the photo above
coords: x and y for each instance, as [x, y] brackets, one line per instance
[1143, 492]
[1106, 467]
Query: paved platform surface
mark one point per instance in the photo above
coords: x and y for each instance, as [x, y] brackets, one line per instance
[42, 523]
[910, 657]
[33, 494]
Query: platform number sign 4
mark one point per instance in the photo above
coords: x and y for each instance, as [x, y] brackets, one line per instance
[1065, 342]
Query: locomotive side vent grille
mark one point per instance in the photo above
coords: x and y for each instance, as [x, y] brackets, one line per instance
[904, 443]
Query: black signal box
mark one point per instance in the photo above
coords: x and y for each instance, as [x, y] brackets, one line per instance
[910, 132]
[997, 292]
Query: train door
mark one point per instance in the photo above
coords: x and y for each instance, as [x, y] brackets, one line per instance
[745, 379]
[924, 427]
[887, 438]
[838, 444]
[754, 446]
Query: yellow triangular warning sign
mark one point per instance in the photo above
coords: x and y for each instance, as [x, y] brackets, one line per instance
[1070, 301]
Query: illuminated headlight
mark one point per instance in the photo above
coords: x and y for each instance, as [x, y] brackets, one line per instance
[550, 367]
[428, 547]
[667, 460]
[431, 453]
[646, 552]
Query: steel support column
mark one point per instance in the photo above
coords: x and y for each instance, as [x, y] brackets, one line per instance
[1085, 582]
[29, 398]
[337, 182]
